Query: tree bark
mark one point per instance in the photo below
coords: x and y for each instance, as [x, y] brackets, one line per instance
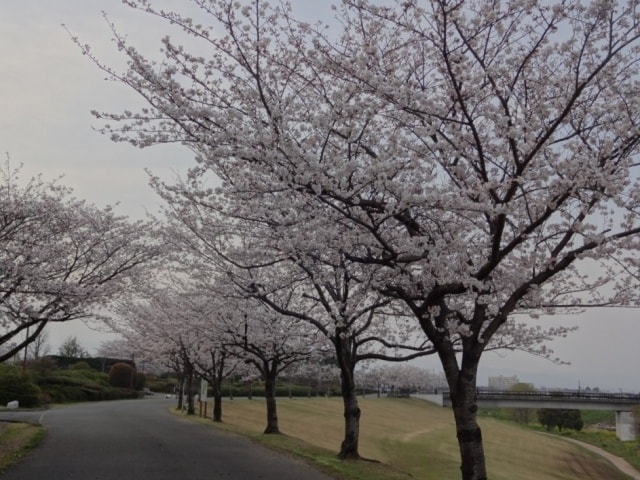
[217, 405]
[191, 407]
[463, 393]
[217, 374]
[180, 389]
[272, 411]
[349, 446]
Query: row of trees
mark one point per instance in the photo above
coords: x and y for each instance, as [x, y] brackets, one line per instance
[405, 183]
[214, 333]
[560, 418]
[438, 165]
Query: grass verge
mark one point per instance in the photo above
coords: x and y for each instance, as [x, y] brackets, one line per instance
[608, 441]
[323, 459]
[16, 440]
[409, 438]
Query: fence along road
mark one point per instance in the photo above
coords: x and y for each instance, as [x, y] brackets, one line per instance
[621, 403]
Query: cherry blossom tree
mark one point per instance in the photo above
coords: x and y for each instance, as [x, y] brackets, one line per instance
[481, 155]
[60, 258]
[319, 373]
[168, 320]
[115, 348]
[221, 360]
[269, 342]
[154, 325]
[402, 376]
[134, 348]
[316, 288]
[336, 299]
[221, 364]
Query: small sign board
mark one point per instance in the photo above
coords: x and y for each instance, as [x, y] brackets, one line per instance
[203, 390]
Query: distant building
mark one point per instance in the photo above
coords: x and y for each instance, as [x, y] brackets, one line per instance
[503, 383]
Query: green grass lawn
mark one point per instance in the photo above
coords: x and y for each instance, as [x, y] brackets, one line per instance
[16, 440]
[604, 439]
[608, 441]
[406, 438]
[413, 439]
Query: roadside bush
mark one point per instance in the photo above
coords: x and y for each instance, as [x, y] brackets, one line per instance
[561, 418]
[42, 366]
[100, 364]
[84, 377]
[636, 420]
[16, 385]
[121, 375]
[43, 383]
[139, 382]
[80, 366]
[161, 386]
[44, 398]
[62, 389]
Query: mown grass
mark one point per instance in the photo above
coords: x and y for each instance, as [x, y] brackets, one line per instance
[16, 440]
[409, 438]
[607, 440]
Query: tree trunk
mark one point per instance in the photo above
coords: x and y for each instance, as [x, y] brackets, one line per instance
[191, 408]
[217, 375]
[272, 412]
[217, 405]
[180, 391]
[463, 393]
[349, 446]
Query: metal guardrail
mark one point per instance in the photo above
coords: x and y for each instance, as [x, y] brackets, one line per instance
[568, 396]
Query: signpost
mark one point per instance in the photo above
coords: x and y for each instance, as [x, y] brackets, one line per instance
[203, 396]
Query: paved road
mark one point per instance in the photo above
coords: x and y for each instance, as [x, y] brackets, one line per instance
[139, 440]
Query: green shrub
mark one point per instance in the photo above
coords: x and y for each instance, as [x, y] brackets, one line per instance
[82, 377]
[100, 364]
[67, 392]
[16, 385]
[42, 366]
[561, 418]
[80, 366]
[121, 375]
[77, 383]
[161, 386]
[44, 398]
[139, 382]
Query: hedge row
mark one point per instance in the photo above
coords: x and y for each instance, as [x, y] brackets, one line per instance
[47, 384]
[65, 393]
[14, 386]
[101, 364]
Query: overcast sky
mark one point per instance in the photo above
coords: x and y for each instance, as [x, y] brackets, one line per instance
[47, 89]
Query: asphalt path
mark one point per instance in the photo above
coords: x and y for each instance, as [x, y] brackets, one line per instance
[141, 439]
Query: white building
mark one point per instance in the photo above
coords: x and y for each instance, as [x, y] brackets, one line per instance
[503, 383]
